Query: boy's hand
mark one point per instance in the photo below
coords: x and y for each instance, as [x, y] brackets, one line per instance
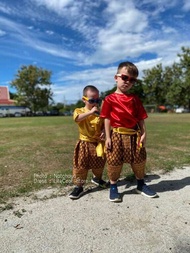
[94, 109]
[143, 140]
[108, 143]
[102, 136]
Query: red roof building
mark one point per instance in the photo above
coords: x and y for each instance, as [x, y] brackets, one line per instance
[5, 97]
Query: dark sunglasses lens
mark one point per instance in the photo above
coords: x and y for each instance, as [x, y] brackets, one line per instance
[124, 78]
[127, 78]
[91, 101]
[94, 101]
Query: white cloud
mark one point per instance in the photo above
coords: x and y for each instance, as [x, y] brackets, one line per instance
[167, 30]
[49, 32]
[2, 33]
[186, 5]
[55, 5]
[121, 36]
[5, 9]
[100, 32]
[159, 4]
[125, 17]
[32, 39]
[70, 85]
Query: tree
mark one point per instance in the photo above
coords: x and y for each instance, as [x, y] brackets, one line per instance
[103, 94]
[154, 85]
[11, 95]
[33, 87]
[175, 89]
[137, 89]
[79, 103]
[184, 66]
[169, 85]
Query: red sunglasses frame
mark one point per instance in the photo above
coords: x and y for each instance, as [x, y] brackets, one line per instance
[127, 78]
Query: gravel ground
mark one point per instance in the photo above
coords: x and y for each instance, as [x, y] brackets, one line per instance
[92, 224]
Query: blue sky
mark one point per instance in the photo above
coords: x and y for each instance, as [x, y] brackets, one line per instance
[82, 41]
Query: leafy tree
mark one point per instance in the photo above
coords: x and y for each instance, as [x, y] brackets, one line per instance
[169, 85]
[79, 104]
[138, 89]
[180, 89]
[154, 85]
[106, 93]
[174, 89]
[11, 95]
[33, 87]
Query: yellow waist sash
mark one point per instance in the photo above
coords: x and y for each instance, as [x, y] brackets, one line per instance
[124, 130]
[99, 147]
[129, 131]
[86, 138]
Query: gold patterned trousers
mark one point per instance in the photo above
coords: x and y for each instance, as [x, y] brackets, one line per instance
[124, 150]
[85, 159]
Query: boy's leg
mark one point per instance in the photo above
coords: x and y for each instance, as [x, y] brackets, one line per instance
[79, 179]
[114, 174]
[80, 171]
[139, 171]
[115, 163]
[79, 176]
[97, 165]
[97, 178]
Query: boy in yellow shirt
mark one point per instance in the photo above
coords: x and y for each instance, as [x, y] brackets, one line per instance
[88, 150]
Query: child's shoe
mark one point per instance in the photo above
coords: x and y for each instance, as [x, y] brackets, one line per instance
[114, 195]
[99, 182]
[146, 191]
[76, 193]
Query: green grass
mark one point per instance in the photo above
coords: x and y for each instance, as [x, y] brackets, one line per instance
[168, 141]
[37, 152]
[34, 148]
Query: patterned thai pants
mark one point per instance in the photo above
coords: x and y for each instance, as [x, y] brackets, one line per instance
[85, 159]
[124, 150]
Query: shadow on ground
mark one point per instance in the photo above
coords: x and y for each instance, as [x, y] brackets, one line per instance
[171, 185]
[162, 186]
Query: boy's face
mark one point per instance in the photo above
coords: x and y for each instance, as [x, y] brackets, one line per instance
[124, 80]
[91, 99]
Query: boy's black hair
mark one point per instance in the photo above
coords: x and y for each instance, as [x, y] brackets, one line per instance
[132, 68]
[89, 87]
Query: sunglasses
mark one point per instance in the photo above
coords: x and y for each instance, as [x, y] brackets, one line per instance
[127, 78]
[92, 100]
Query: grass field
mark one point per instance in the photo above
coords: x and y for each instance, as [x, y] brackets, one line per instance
[37, 152]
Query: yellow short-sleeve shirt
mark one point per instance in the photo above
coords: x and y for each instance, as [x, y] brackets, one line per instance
[90, 128]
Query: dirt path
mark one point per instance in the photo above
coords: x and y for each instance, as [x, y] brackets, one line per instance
[92, 224]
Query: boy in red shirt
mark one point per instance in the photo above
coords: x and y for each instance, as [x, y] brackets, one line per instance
[125, 131]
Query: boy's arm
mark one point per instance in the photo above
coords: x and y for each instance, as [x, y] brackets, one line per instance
[143, 132]
[84, 115]
[107, 132]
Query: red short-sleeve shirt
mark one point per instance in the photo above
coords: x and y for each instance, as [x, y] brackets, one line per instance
[123, 110]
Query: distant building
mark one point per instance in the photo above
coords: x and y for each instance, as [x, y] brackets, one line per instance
[5, 97]
[8, 107]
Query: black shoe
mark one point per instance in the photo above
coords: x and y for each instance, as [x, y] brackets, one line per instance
[99, 182]
[76, 193]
